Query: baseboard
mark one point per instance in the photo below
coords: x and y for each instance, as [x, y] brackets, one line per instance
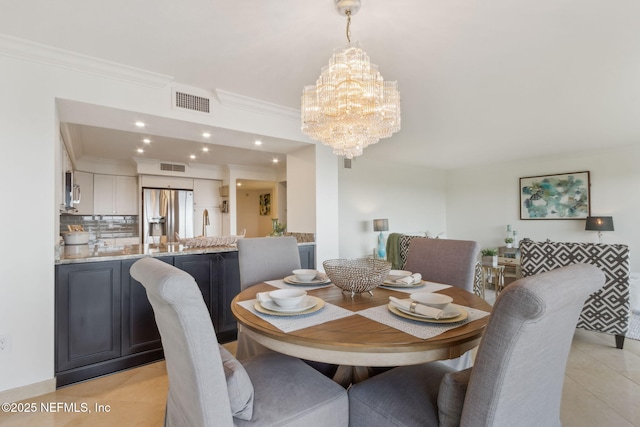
[28, 391]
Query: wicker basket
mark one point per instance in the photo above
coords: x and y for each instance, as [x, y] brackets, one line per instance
[357, 275]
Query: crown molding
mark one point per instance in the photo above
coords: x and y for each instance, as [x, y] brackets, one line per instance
[234, 100]
[35, 52]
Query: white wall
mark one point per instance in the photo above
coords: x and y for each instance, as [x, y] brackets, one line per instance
[410, 197]
[327, 206]
[314, 211]
[481, 201]
[301, 185]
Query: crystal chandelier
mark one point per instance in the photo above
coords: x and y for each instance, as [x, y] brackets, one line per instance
[351, 106]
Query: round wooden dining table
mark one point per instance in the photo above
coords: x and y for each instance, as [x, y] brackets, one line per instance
[357, 343]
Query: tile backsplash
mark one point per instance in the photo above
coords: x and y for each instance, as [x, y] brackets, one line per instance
[103, 226]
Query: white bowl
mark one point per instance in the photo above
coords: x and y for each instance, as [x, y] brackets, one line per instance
[438, 301]
[397, 275]
[305, 275]
[75, 237]
[76, 251]
[287, 297]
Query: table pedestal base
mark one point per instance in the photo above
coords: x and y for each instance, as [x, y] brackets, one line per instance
[347, 375]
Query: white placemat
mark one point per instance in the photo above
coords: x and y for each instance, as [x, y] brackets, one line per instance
[293, 323]
[381, 314]
[284, 285]
[428, 287]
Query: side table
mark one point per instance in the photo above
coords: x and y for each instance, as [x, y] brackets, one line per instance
[488, 271]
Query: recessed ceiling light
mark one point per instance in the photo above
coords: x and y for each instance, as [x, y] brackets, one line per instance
[239, 184]
[193, 156]
[205, 149]
[206, 134]
[275, 160]
[146, 141]
[258, 142]
[140, 124]
[140, 150]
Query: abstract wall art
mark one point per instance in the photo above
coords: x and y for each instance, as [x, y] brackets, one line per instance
[560, 196]
[265, 204]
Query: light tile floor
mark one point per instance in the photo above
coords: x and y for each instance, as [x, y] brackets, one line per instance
[601, 388]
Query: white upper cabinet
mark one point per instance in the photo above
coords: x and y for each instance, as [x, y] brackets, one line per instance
[115, 195]
[206, 197]
[205, 192]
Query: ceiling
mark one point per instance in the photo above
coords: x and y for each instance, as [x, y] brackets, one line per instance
[98, 132]
[481, 81]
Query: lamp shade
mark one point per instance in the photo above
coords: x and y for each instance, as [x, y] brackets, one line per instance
[380, 225]
[599, 223]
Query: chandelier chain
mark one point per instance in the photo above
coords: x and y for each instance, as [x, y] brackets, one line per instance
[348, 12]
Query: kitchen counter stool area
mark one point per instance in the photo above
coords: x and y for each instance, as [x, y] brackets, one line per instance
[104, 322]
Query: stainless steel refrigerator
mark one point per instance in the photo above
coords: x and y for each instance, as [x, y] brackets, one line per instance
[166, 213]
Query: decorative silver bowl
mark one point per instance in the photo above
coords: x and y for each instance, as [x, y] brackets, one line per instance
[357, 275]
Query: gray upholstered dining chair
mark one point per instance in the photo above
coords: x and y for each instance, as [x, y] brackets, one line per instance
[448, 261]
[266, 258]
[209, 387]
[519, 370]
[261, 259]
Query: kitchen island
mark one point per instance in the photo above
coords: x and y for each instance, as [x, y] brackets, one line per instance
[104, 322]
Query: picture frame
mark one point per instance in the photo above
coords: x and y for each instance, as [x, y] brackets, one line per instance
[265, 204]
[556, 196]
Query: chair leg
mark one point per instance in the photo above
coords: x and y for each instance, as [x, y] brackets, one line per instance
[619, 341]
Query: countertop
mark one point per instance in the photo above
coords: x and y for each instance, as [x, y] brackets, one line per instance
[73, 254]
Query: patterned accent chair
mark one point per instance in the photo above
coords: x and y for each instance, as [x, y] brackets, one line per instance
[604, 311]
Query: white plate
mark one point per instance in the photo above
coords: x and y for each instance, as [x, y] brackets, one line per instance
[451, 312]
[412, 316]
[306, 304]
[402, 285]
[318, 281]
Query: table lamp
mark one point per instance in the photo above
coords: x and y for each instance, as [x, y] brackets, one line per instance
[381, 225]
[599, 224]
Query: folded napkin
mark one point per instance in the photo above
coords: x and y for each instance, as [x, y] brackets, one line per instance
[415, 307]
[409, 280]
[263, 297]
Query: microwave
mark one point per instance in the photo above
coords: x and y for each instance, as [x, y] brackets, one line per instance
[71, 191]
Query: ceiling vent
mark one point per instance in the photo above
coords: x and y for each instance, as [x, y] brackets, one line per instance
[191, 102]
[172, 167]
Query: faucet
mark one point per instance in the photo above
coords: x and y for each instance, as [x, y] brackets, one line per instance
[205, 222]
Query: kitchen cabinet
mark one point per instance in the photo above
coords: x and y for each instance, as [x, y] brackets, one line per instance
[104, 322]
[139, 330]
[201, 267]
[115, 195]
[226, 284]
[206, 197]
[85, 181]
[307, 256]
[87, 314]
[218, 277]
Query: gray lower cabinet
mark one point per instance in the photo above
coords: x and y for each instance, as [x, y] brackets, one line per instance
[307, 256]
[139, 330]
[218, 277]
[202, 268]
[227, 283]
[87, 314]
[104, 322]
